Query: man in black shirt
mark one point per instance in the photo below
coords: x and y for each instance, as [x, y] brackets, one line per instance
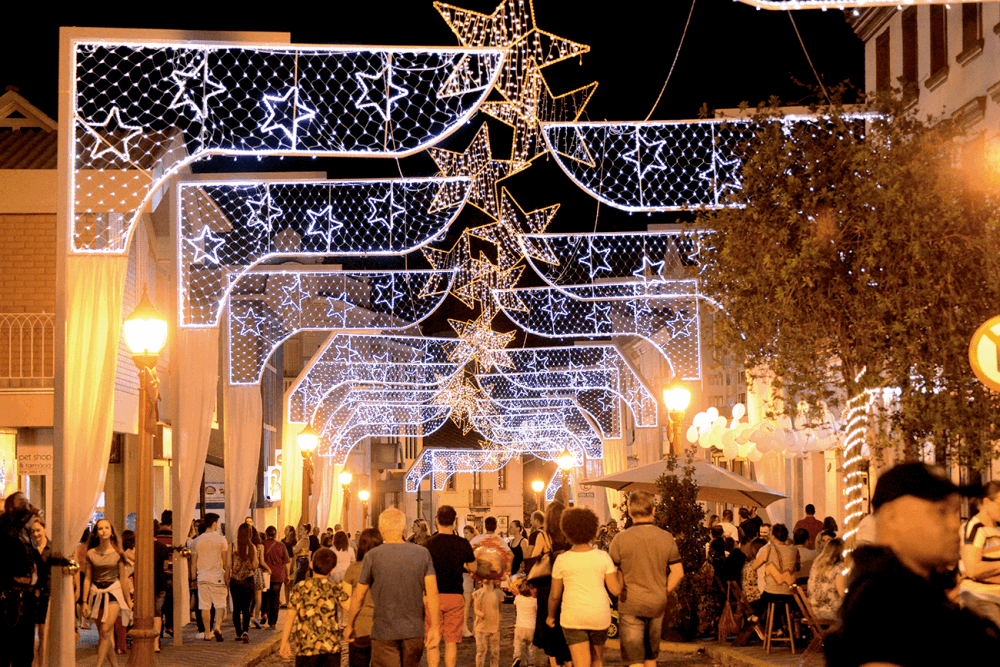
[452, 557]
[896, 611]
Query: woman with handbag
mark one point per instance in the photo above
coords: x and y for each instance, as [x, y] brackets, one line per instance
[245, 562]
[548, 546]
[261, 579]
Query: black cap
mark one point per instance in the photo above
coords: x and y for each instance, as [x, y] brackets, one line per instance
[920, 480]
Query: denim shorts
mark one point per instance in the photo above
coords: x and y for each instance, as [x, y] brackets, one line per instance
[595, 637]
[639, 637]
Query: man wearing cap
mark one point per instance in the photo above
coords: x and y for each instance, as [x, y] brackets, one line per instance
[896, 611]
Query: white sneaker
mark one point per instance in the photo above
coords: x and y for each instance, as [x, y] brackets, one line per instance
[200, 635]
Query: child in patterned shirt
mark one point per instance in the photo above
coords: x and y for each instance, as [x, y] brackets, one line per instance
[312, 614]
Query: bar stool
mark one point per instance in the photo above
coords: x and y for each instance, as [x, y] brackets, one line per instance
[769, 637]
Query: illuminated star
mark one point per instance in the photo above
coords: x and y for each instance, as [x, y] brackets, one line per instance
[195, 87]
[386, 294]
[477, 163]
[290, 295]
[323, 224]
[373, 86]
[639, 155]
[107, 142]
[261, 212]
[650, 271]
[481, 343]
[285, 112]
[596, 255]
[206, 246]
[722, 175]
[249, 323]
[384, 210]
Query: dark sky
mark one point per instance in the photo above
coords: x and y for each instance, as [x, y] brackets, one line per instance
[731, 53]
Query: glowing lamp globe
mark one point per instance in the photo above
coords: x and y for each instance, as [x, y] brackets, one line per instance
[346, 477]
[677, 399]
[145, 329]
[308, 440]
[537, 486]
[363, 495]
[565, 461]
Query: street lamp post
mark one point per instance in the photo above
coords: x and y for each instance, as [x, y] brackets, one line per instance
[566, 464]
[345, 483]
[537, 486]
[363, 496]
[308, 440]
[145, 334]
[677, 400]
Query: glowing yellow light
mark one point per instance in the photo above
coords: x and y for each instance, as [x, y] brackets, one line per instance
[677, 399]
[308, 439]
[364, 495]
[145, 330]
[537, 486]
[565, 461]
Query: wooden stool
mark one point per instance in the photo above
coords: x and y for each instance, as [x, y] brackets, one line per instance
[769, 627]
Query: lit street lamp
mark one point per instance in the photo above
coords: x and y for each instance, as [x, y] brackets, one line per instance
[308, 440]
[565, 462]
[677, 400]
[145, 334]
[537, 486]
[345, 483]
[363, 496]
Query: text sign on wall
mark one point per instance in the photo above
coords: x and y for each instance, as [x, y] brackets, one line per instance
[34, 460]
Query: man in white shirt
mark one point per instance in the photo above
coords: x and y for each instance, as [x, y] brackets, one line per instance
[210, 560]
[728, 528]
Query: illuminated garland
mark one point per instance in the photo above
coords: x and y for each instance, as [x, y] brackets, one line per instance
[142, 109]
[441, 464]
[858, 411]
[653, 166]
[227, 227]
[670, 324]
[268, 306]
[782, 5]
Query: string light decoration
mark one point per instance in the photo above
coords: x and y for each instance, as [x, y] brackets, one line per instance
[602, 406]
[652, 263]
[349, 359]
[782, 5]
[440, 464]
[227, 227]
[478, 164]
[368, 421]
[268, 306]
[143, 109]
[527, 98]
[670, 324]
[858, 412]
[655, 166]
[553, 426]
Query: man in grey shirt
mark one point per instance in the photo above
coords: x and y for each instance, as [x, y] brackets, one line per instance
[398, 574]
[651, 567]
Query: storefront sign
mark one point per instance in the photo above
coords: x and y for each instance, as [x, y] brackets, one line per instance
[34, 460]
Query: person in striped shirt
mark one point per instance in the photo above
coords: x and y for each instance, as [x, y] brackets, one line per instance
[980, 590]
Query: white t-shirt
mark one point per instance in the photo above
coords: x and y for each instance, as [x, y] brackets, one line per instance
[527, 611]
[210, 547]
[585, 603]
[729, 530]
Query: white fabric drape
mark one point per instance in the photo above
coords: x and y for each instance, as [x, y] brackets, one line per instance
[85, 417]
[291, 474]
[95, 294]
[770, 470]
[615, 460]
[197, 364]
[242, 423]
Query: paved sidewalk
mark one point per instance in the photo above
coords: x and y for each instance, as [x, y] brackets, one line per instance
[746, 656]
[197, 652]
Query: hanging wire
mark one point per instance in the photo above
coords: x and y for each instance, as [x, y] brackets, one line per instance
[676, 55]
[815, 73]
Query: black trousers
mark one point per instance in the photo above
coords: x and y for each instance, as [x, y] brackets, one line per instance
[17, 628]
[272, 602]
[242, 592]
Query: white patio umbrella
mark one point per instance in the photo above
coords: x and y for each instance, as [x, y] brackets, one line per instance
[715, 484]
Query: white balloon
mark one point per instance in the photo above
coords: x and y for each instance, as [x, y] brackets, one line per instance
[712, 413]
[739, 410]
[715, 438]
[704, 441]
[719, 421]
[700, 419]
[743, 449]
[742, 436]
[734, 424]
[754, 455]
[692, 434]
[728, 437]
[730, 451]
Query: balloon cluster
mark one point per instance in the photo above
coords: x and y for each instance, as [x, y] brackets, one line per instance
[740, 440]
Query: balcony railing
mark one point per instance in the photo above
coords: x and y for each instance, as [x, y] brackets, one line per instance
[27, 350]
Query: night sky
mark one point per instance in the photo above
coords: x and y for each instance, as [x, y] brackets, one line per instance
[731, 53]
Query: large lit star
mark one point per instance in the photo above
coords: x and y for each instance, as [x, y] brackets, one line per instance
[323, 224]
[379, 92]
[477, 163]
[206, 245]
[285, 112]
[482, 344]
[195, 87]
[640, 155]
[108, 141]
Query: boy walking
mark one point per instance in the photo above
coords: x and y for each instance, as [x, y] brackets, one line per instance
[312, 614]
[486, 603]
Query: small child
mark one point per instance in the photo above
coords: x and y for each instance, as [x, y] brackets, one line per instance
[312, 613]
[579, 578]
[524, 627]
[486, 603]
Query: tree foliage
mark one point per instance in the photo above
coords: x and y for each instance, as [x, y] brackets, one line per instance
[864, 245]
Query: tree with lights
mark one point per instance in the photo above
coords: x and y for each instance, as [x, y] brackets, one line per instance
[865, 256]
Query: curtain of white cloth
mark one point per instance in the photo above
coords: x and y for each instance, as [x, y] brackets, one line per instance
[771, 468]
[291, 474]
[93, 302]
[95, 294]
[615, 459]
[197, 364]
[243, 419]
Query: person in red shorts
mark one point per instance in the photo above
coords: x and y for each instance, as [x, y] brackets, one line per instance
[452, 556]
